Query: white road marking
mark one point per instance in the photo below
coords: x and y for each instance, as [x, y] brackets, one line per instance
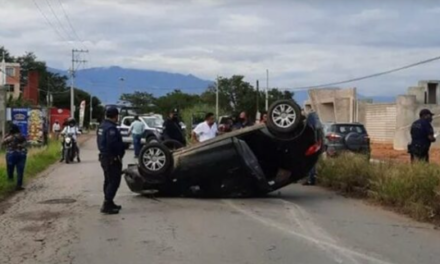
[303, 219]
[274, 224]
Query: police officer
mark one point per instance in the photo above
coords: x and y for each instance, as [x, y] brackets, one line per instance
[422, 135]
[111, 152]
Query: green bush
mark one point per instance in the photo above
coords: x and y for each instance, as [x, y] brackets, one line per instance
[37, 161]
[413, 189]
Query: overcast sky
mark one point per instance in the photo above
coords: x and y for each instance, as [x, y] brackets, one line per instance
[300, 43]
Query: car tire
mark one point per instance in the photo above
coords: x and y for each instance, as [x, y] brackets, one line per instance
[353, 141]
[126, 146]
[172, 144]
[284, 116]
[155, 159]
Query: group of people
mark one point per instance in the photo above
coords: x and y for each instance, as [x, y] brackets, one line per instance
[209, 129]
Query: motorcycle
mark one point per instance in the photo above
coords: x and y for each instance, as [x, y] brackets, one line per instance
[68, 149]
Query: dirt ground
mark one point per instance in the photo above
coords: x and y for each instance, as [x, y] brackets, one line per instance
[386, 152]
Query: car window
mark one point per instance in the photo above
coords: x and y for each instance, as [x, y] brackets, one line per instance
[345, 129]
[153, 121]
[127, 121]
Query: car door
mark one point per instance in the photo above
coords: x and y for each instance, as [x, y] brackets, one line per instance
[125, 125]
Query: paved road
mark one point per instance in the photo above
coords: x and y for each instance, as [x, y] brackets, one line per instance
[298, 225]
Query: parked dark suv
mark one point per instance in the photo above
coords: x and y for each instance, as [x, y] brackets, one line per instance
[342, 137]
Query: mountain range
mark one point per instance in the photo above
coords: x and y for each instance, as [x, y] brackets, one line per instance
[110, 82]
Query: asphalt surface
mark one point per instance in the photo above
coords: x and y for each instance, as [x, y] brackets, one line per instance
[57, 220]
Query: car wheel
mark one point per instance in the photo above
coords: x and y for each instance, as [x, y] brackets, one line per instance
[284, 116]
[172, 144]
[155, 159]
[126, 146]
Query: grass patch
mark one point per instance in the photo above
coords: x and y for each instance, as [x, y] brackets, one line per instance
[38, 160]
[413, 189]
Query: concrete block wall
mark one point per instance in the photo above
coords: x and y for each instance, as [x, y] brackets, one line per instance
[380, 122]
[333, 104]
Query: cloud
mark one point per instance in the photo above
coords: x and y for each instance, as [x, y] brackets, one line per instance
[302, 43]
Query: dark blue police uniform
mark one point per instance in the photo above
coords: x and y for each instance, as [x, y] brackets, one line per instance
[420, 142]
[111, 149]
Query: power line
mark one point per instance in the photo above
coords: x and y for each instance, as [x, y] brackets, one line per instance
[49, 22]
[70, 23]
[58, 19]
[367, 76]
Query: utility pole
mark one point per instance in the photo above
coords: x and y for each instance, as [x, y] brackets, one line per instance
[216, 98]
[3, 96]
[258, 97]
[72, 76]
[258, 100]
[267, 90]
[91, 109]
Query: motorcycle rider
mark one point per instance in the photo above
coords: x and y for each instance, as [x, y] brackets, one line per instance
[73, 130]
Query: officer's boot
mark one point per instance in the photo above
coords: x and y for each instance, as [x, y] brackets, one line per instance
[109, 208]
[116, 206]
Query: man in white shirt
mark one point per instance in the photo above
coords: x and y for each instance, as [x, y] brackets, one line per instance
[206, 130]
[56, 129]
[137, 130]
[73, 130]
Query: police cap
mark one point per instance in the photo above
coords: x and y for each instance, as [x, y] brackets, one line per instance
[424, 112]
[112, 112]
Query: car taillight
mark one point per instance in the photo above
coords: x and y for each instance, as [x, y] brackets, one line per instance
[367, 138]
[333, 137]
[314, 148]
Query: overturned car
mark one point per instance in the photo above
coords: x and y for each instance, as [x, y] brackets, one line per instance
[247, 162]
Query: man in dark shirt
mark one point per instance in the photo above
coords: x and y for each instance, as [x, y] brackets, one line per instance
[243, 121]
[16, 154]
[111, 151]
[172, 129]
[422, 135]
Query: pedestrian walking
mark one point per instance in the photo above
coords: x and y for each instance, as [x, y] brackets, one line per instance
[173, 129]
[16, 154]
[422, 135]
[56, 129]
[137, 130]
[111, 152]
[206, 130]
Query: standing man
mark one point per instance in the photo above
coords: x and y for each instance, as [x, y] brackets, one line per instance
[243, 121]
[16, 154]
[111, 151]
[205, 130]
[56, 129]
[173, 129]
[45, 131]
[422, 135]
[137, 130]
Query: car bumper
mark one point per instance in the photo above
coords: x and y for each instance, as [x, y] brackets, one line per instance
[129, 140]
[332, 151]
